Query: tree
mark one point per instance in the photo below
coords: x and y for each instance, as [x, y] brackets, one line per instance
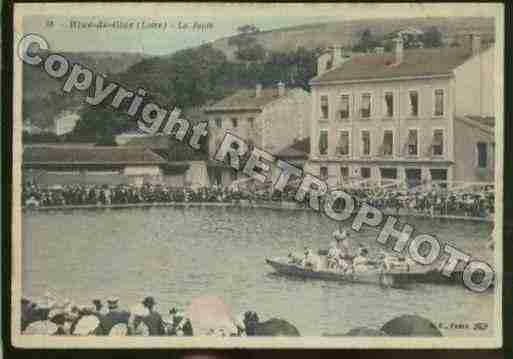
[248, 29]
[101, 125]
[432, 37]
[254, 52]
[367, 42]
[248, 49]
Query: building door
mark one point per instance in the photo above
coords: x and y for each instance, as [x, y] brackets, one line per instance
[413, 177]
[439, 174]
[388, 174]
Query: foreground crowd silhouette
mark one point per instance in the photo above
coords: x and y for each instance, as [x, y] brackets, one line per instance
[48, 317]
[435, 202]
[65, 318]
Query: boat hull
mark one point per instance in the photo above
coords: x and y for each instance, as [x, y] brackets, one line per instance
[376, 277]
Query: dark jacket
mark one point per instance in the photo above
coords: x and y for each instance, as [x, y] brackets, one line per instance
[154, 323]
[112, 318]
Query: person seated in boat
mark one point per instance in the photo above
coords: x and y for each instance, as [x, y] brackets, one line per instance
[397, 263]
[294, 259]
[333, 256]
[344, 257]
[362, 263]
[310, 260]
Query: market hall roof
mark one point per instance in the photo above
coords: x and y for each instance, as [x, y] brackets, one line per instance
[63, 154]
[247, 99]
[415, 63]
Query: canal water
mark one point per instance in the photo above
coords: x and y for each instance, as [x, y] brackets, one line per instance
[177, 254]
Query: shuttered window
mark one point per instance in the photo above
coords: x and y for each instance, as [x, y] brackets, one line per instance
[438, 143]
[323, 142]
[324, 107]
[343, 143]
[366, 144]
[365, 108]
[388, 142]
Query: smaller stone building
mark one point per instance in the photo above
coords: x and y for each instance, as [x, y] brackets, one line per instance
[270, 118]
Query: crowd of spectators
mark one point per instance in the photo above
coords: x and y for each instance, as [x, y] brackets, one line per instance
[471, 203]
[63, 317]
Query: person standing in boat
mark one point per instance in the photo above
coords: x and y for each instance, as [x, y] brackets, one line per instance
[343, 252]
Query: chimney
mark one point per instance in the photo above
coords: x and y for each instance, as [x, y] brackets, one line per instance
[398, 52]
[281, 89]
[258, 91]
[475, 43]
[337, 56]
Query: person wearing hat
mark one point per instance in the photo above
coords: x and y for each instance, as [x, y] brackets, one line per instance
[361, 261]
[114, 316]
[342, 242]
[153, 320]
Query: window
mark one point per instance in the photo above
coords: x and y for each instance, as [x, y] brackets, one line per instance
[235, 122]
[412, 144]
[219, 122]
[365, 108]
[438, 142]
[388, 173]
[388, 143]
[413, 177]
[414, 103]
[344, 107]
[389, 104]
[366, 145]
[343, 143]
[482, 155]
[323, 142]
[251, 122]
[365, 172]
[344, 172]
[324, 107]
[324, 173]
[439, 102]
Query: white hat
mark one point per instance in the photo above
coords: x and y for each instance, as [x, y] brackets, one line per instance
[340, 235]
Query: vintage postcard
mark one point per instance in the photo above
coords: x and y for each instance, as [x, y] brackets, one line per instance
[257, 175]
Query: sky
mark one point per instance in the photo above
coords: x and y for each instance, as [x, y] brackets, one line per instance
[53, 21]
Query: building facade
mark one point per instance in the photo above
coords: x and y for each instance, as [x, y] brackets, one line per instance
[391, 117]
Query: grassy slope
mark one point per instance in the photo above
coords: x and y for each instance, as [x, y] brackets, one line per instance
[347, 32]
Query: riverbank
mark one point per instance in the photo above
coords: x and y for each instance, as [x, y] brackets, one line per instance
[247, 204]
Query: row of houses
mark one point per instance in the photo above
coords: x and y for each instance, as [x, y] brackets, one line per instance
[410, 115]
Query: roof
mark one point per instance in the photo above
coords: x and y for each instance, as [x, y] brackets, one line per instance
[416, 62]
[483, 123]
[153, 142]
[298, 150]
[181, 151]
[246, 99]
[89, 155]
[483, 120]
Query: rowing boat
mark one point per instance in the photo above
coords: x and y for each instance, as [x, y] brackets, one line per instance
[372, 276]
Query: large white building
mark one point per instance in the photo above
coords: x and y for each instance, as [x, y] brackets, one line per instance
[401, 115]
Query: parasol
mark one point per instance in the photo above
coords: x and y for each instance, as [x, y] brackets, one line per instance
[119, 330]
[411, 326]
[210, 313]
[86, 325]
[41, 327]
